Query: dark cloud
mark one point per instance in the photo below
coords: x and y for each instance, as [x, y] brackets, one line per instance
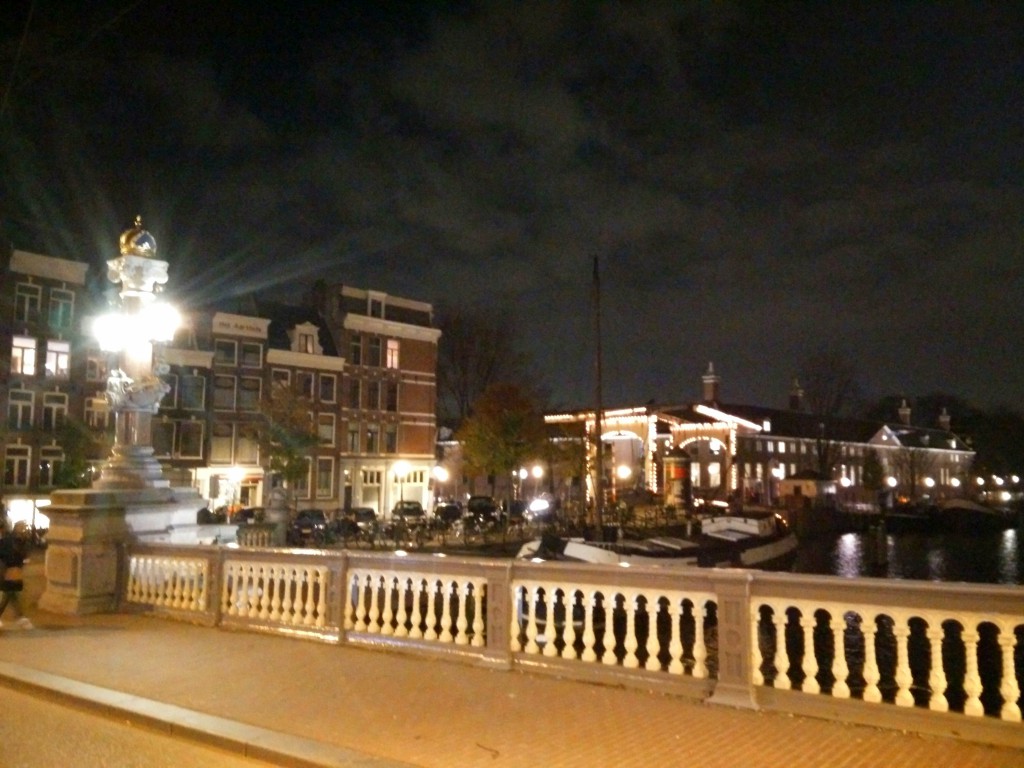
[758, 180]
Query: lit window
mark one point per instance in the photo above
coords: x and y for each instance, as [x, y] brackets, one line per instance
[247, 450]
[62, 303]
[353, 437]
[372, 438]
[306, 343]
[249, 389]
[392, 354]
[58, 358]
[27, 299]
[23, 356]
[16, 461]
[97, 412]
[19, 409]
[221, 440]
[55, 409]
[96, 368]
[325, 428]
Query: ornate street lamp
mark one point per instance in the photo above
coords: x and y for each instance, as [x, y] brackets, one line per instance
[134, 388]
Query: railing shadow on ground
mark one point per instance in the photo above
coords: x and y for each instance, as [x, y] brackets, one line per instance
[930, 658]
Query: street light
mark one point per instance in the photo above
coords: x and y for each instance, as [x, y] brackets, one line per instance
[401, 470]
[623, 472]
[134, 388]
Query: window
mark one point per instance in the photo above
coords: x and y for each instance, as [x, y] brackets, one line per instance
[373, 395]
[352, 442]
[328, 385]
[325, 428]
[324, 477]
[302, 485]
[224, 393]
[222, 437]
[281, 377]
[51, 460]
[304, 381]
[252, 354]
[163, 437]
[371, 477]
[58, 358]
[171, 380]
[23, 356]
[16, 461]
[62, 303]
[190, 440]
[249, 389]
[391, 396]
[97, 412]
[376, 308]
[225, 352]
[307, 343]
[372, 438]
[55, 409]
[391, 438]
[374, 352]
[96, 367]
[19, 409]
[354, 393]
[392, 357]
[193, 392]
[27, 300]
[355, 350]
[247, 446]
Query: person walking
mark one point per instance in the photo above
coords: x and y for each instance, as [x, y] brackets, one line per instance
[13, 547]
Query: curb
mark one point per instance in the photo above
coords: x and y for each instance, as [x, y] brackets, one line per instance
[210, 730]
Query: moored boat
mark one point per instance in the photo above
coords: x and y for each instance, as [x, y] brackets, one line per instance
[745, 540]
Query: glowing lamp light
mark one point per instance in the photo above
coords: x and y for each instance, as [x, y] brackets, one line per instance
[997, 480]
[401, 469]
[537, 471]
[929, 482]
[845, 482]
[117, 332]
[522, 473]
[981, 481]
[441, 474]
[623, 472]
[955, 482]
[892, 482]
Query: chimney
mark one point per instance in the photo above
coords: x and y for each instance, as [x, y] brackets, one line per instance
[796, 396]
[904, 413]
[711, 382]
[944, 420]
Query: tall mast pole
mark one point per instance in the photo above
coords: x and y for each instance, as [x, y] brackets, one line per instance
[598, 407]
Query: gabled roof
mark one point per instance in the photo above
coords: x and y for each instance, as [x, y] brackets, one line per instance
[285, 317]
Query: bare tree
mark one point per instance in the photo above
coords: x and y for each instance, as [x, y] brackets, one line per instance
[476, 350]
[830, 392]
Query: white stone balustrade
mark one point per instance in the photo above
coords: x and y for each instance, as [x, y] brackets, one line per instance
[948, 654]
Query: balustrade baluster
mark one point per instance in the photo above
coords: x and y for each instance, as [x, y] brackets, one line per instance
[276, 582]
[589, 638]
[781, 660]
[419, 587]
[675, 609]
[1009, 688]
[871, 674]
[757, 659]
[531, 618]
[402, 591]
[321, 603]
[569, 634]
[840, 668]
[309, 607]
[266, 576]
[608, 657]
[478, 615]
[700, 650]
[387, 612]
[373, 612]
[936, 675]
[631, 603]
[809, 663]
[551, 627]
[651, 644]
[447, 590]
[252, 597]
[430, 632]
[204, 589]
[518, 598]
[462, 623]
[972, 680]
[228, 589]
[904, 676]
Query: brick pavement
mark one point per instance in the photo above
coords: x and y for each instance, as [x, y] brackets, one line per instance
[300, 702]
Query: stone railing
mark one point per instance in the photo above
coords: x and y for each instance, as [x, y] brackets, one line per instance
[931, 658]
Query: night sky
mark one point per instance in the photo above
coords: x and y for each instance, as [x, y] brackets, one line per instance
[760, 181]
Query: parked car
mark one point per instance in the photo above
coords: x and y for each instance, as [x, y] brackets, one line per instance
[246, 515]
[308, 527]
[448, 512]
[409, 512]
[483, 509]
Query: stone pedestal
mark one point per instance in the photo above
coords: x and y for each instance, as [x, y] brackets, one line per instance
[85, 553]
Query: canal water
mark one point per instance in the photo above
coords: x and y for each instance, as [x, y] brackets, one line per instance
[994, 557]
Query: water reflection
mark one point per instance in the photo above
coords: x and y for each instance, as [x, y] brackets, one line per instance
[986, 557]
